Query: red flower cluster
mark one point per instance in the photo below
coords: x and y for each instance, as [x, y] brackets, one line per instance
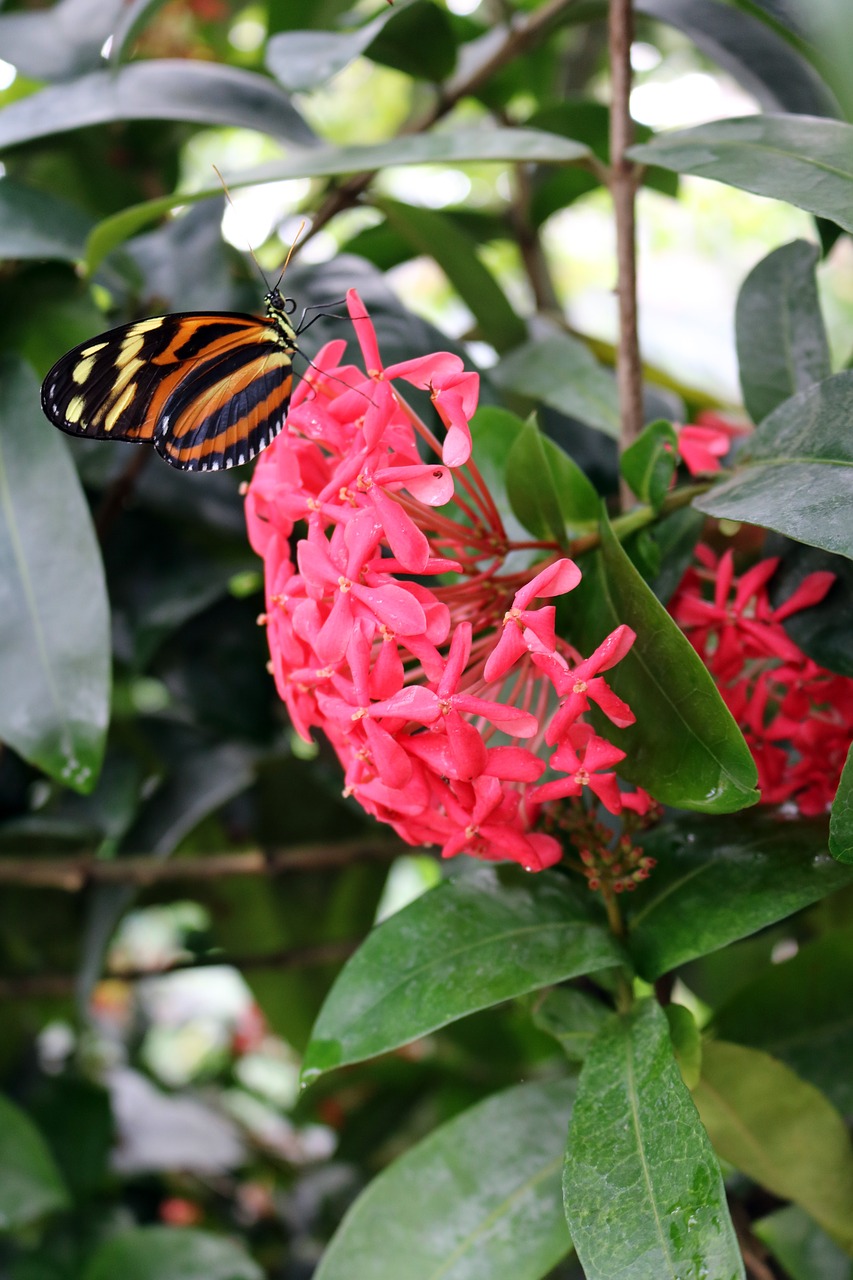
[703, 443]
[796, 716]
[426, 693]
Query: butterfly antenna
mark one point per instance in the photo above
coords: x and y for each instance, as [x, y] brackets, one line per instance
[248, 246]
[290, 253]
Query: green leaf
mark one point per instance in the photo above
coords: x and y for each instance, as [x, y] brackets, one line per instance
[54, 615]
[779, 1131]
[719, 881]
[167, 1253]
[805, 161]
[801, 1012]
[686, 1043]
[494, 432]
[806, 1252]
[649, 463]
[306, 60]
[432, 233]
[643, 1191]
[36, 225]
[823, 630]
[419, 42]
[456, 147]
[781, 342]
[685, 748]
[761, 60]
[797, 472]
[467, 944]
[841, 818]
[479, 1199]
[157, 89]
[548, 492]
[133, 18]
[30, 1183]
[572, 1018]
[60, 42]
[563, 373]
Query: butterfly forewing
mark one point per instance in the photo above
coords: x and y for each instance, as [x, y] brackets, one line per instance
[209, 389]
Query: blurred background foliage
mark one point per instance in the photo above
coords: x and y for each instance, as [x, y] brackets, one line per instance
[153, 1020]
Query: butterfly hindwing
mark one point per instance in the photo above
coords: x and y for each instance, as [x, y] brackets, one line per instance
[209, 389]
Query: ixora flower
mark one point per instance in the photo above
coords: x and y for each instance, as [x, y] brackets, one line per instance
[456, 711]
[796, 716]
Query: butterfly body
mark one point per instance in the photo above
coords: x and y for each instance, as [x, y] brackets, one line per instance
[208, 389]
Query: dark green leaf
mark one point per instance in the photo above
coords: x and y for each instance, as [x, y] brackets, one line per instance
[54, 624]
[841, 819]
[30, 1183]
[169, 1253]
[754, 54]
[434, 234]
[60, 42]
[493, 432]
[479, 1199]
[548, 491]
[685, 748]
[781, 342]
[572, 1018]
[779, 1131]
[823, 630]
[806, 1252]
[306, 60]
[563, 373]
[649, 463]
[718, 881]
[419, 42]
[36, 225]
[801, 1012]
[675, 538]
[76, 1116]
[797, 473]
[458, 146]
[643, 1191]
[157, 89]
[468, 944]
[803, 160]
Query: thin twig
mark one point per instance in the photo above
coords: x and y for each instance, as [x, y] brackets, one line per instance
[73, 873]
[623, 189]
[119, 491]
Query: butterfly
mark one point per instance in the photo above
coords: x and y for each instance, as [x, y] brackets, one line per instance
[208, 389]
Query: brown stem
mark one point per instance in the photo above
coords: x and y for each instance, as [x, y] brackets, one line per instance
[61, 985]
[623, 188]
[119, 491]
[520, 36]
[74, 873]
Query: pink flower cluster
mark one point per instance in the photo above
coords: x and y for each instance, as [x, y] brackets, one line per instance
[703, 443]
[796, 716]
[442, 700]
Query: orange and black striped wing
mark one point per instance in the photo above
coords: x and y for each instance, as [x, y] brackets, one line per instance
[209, 390]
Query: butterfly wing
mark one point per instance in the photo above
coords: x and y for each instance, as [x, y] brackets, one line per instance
[208, 389]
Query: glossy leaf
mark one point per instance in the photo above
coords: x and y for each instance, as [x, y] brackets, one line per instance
[467, 944]
[781, 341]
[548, 491]
[572, 1018]
[801, 1011]
[157, 89]
[643, 1191]
[563, 373]
[758, 58]
[60, 42]
[36, 225]
[841, 820]
[779, 1131]
[804, 1250]
[719, 881]
[432, 233]
[649, 463]
[30, 1183]
[494, 432]
[54, 615]
[168, 1253]
[803, 160]
[479, 1199]
[797, 472]
[306, 60]
[458, 146]
[685, 748]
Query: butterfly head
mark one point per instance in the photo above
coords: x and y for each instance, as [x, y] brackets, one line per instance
[280, 309]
